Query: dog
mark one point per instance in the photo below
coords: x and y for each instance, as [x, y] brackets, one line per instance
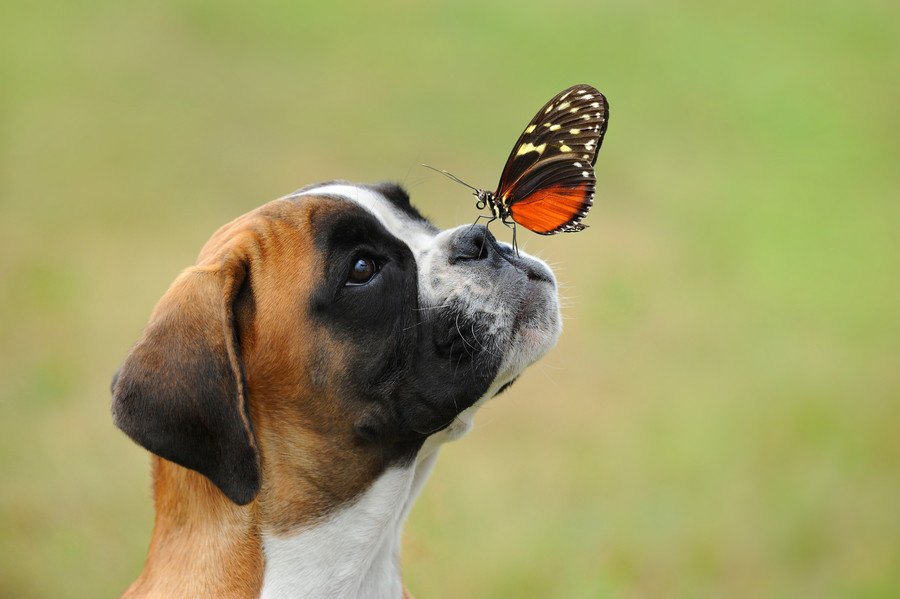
[294, 387]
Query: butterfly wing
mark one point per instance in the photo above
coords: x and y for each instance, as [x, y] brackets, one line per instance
[553, 196]
[548, 181]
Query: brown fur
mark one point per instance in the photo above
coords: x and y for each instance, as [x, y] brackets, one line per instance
[204, 545]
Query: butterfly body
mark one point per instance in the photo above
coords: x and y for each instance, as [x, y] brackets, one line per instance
[487, 199]
[548, 183]
[502, 211]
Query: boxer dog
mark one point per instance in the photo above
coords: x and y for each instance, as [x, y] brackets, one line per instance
[295, 384]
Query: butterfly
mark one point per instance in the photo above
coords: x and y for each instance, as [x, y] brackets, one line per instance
[548, 183]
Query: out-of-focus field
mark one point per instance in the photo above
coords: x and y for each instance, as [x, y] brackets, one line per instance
[721, 417]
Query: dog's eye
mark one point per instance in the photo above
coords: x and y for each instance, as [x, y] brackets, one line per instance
[362, 271]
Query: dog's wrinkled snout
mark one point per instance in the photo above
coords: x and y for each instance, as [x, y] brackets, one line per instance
[472, 243]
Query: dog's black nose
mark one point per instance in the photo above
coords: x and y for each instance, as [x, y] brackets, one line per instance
[472, 243]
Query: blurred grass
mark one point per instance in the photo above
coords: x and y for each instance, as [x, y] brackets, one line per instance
[720, 417]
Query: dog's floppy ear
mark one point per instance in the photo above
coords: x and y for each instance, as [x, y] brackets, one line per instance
[181, 391]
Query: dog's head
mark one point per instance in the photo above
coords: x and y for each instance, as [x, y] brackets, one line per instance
[339, 320]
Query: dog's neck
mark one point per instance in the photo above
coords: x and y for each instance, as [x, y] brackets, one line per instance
[354, 552]
[204, 545]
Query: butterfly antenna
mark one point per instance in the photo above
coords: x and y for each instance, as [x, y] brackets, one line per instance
[451, 176]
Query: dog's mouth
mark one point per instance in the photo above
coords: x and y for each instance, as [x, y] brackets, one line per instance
[537, 297]
[506, 386]
[512, 305]
[538, 272]
[535, 270]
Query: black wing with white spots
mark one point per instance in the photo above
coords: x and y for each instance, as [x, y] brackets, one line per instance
[548, 182]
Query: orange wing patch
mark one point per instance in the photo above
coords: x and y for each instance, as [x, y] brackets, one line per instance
[553, 209]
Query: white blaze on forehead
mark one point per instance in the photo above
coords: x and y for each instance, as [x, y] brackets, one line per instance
[416, 236]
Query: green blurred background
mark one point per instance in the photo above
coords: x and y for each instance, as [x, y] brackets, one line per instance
[720, 417]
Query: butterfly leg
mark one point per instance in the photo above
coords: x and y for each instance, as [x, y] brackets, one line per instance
[490, 220]
[486, 225]
[512, 225]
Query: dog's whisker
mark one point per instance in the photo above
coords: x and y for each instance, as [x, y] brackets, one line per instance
[446, 305]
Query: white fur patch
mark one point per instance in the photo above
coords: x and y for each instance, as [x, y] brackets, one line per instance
[352, 553]
[414, 234]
